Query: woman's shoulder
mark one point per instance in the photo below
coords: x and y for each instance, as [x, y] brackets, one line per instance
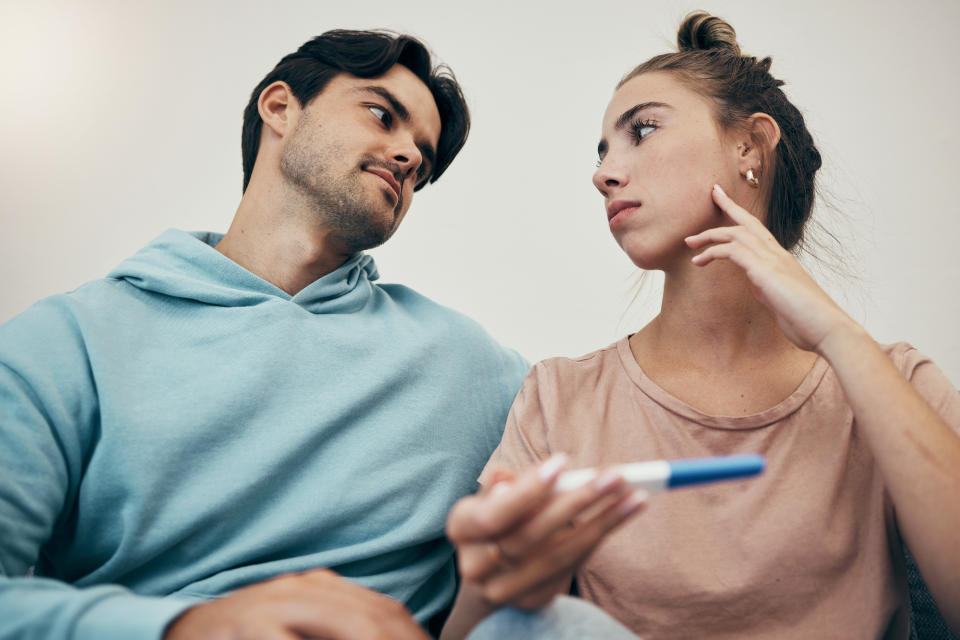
[905, 357]
[575, 370]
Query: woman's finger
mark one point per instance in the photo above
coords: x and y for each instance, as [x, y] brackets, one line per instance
[496, 512]
[710, 236]
[737, 213]
[478, 560]
[566, 507]
[738, 233]
[564, 554]
[739, 254]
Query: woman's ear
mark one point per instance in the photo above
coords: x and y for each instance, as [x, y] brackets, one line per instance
[278, 108]
[755, 142]
[761, 134]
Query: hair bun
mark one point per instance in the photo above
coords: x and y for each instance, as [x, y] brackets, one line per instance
[702, 31]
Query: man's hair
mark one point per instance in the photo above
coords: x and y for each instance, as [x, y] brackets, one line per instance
[365, 54]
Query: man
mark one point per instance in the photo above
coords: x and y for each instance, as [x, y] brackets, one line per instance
[220, 411]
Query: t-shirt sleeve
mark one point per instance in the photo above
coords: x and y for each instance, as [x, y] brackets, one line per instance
[524, 441]
[932, 384]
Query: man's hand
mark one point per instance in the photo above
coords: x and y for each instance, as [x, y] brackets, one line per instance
[519, 542]
[315, 604]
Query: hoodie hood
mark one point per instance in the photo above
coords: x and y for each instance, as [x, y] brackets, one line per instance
[185, 265]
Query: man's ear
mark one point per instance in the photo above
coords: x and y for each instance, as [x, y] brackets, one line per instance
[761, 134]
[278, 108]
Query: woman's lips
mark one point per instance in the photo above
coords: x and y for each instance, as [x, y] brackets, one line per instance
[621, 209]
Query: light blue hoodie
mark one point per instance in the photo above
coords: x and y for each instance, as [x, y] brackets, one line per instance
[183, 428]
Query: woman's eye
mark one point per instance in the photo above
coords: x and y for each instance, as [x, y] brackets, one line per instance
[382, 114]
[642, 129]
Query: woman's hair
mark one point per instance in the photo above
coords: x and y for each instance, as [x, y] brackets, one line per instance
[709, 62]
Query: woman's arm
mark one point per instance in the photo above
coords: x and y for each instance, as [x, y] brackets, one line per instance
[471, 607]
[917, 453]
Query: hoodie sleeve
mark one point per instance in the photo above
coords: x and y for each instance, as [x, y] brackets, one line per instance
[49, 416]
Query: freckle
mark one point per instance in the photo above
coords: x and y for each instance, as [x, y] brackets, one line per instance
[741, 395]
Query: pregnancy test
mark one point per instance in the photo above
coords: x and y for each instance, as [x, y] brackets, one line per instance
[659, 475]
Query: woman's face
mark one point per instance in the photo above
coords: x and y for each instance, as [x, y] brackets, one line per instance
[661, 152]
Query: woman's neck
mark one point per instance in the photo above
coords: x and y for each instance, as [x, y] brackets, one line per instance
[716, 347]
[710, 318]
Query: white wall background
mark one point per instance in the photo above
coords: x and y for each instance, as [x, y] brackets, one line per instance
[121, 119]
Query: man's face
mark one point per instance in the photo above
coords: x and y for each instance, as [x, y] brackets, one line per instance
[358, 150]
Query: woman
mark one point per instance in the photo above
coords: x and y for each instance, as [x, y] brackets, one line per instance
[707, 172]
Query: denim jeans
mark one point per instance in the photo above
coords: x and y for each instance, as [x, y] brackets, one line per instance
[566, 618]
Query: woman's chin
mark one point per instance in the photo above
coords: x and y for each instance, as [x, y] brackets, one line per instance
[646, 257]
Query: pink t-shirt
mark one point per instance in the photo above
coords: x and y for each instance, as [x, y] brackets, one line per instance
[809, 549]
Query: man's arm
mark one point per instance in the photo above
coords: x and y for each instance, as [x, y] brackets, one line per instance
[48, 413]
[49, 431]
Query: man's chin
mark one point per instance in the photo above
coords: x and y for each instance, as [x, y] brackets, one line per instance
[369, 236]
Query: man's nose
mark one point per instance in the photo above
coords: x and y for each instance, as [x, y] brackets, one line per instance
[408, 157]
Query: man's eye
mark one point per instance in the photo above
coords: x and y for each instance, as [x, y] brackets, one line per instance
[382, 114]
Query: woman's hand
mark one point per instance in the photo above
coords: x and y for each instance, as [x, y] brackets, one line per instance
[519, 542]
[806, 314]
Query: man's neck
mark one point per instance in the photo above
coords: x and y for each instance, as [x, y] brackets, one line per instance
[273, 236]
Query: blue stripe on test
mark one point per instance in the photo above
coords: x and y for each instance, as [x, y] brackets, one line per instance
[699, 470]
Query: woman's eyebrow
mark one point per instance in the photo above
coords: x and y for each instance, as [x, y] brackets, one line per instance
[626, 117]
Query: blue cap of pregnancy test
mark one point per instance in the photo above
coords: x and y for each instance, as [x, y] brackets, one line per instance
[699, 470]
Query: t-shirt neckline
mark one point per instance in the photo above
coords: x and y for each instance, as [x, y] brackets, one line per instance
[755, 420]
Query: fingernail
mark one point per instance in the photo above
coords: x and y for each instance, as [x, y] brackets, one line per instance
[720, 190]
[606, 480]
[634, 502]
[549, 469]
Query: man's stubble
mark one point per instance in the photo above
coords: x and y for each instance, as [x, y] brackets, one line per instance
[339, 201]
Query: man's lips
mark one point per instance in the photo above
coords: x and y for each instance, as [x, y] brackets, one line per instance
[617, 206]
[388, 177]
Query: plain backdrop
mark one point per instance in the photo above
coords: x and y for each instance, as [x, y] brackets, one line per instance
[121, 119]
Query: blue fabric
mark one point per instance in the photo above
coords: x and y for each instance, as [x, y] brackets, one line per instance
[565, 618]
[183, 428]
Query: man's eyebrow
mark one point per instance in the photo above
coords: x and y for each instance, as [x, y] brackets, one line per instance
[429, 155]
[395, 104]
[626, 117]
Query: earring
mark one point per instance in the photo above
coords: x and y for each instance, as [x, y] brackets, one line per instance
[752, 180]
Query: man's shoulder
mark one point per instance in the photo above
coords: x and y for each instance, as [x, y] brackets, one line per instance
[429, 311]
[455, 328]
[91, 296]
